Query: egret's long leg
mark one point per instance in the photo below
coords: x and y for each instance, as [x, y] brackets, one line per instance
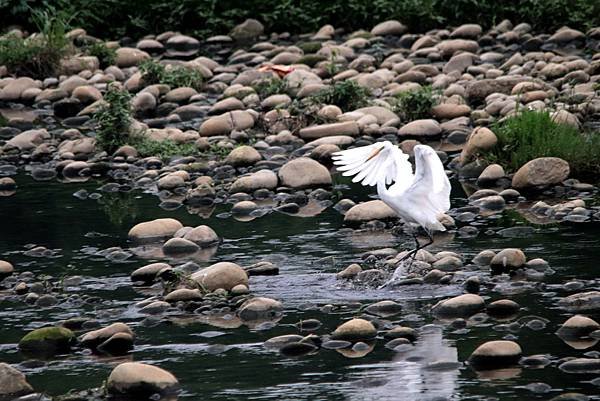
[413, 254]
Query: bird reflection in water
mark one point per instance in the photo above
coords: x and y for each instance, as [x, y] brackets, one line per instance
[425, 371]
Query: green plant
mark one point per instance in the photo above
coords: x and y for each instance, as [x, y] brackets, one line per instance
[164, 149]
[415, 104]
[202, 18]
[174, 76]
[3, 120]
[39, 55]
[532, 134]
[270, 86]
[113, 119]
[106, 55]
[347, 95]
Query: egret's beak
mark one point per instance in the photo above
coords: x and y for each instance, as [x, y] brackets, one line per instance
[375, 153]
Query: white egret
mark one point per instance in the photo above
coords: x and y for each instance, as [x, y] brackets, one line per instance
[418, 198]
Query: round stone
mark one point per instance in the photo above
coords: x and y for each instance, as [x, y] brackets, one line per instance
[495, 354]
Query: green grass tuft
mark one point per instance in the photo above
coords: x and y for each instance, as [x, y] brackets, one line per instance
[39, 55]
[347, 95]
[415, 104]
[532, 134]
[174, 76]
[270, 86]
[106, 55]
[164, 149]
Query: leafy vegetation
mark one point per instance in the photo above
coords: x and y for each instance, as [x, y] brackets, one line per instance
[39, 55]
[208, 17]
[164, 149]
[415, 104]
[114, 129]
[532, 134]
[113, 119]
[106, 55]
[271, 86]
[347, 95]
[154, 72]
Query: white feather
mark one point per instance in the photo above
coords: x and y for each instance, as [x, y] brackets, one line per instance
[418, 198]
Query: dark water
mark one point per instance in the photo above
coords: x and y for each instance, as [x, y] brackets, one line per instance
[308, 251]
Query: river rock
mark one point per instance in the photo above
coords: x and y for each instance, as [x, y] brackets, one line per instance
[577, 326]
[6, 269]
[502, 308]
[225, 275]
[47, 341]
[390, 27]
[490, 175]
[140, 380]
[154, 230]
[480, 140]
[495, 354]
[94, 338]
[147, 274]
[460, 306]
[12, 382]
[177, 246]
[350, 272]
[511, 258]
[262, 179]
[247, 30]
[581, 302]
[384, 308]
[304, 172]
[333, 129]
[260, 308]
[451, 46]
[370, 210]
[183, 295]
[129, 57]
[402, 332]
[117, 344]
[203, 236]
[421, 128]
[581, 365]
[541, 172]
[15, 88]
[7, 184]
[280, 341]
[354, 330]
[27, 140]
[243, 156]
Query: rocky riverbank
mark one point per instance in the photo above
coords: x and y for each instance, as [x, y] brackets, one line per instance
[258, 134]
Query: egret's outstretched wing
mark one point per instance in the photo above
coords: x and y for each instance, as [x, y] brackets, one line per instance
[431, 177]
[380, 162]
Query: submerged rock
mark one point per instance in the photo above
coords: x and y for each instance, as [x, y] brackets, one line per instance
[354, 330]
[460, 306]
[154, 230]
[225, 275]
[47, 341]
[577, 326]
[510, 258]
[495, 354]
[260, 308]
[581, 302]
[140, 380]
